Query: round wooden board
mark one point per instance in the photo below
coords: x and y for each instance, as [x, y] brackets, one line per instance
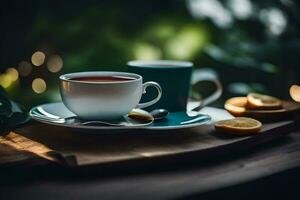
[289, 109]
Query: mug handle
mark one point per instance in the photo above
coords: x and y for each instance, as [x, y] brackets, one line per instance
[149, 103]
[200, 75]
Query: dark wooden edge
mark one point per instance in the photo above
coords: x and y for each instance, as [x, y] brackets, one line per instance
[193, 159]
[202, 155]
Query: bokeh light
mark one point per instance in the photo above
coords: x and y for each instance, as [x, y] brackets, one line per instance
[38, 58]
[187, 42]
[24, 68]
[162, 30]
[274, 19]
[12, 73]
[145, 51]
[239, 88]
[55, 63]
[295, 92]
[5, 80]
[241, 9]
[39, 85]
[212, 9]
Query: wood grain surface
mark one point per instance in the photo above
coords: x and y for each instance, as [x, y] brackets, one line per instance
[92, 148]
[264, 171]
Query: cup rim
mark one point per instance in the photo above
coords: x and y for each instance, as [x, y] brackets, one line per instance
[68, 77]
[160, 63]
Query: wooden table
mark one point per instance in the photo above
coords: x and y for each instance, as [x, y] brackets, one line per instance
[268, 170]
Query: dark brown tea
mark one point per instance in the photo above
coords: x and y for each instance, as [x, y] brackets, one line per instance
[103, 79]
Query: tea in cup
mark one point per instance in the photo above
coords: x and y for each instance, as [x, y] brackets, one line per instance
[104, 95]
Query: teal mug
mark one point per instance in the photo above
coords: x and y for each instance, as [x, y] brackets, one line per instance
[175, 79]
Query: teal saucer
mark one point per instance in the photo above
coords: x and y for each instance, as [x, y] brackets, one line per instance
[48, 113]
[178, 120]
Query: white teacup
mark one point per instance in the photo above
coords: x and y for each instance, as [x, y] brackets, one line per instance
[104, 95]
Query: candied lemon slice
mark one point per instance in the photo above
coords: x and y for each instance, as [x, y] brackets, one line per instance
[262, 102]
[236, 106]
[239, 125]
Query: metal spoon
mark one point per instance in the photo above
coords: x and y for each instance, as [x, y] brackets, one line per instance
[142, 115]
[126, 121]
[159, 114]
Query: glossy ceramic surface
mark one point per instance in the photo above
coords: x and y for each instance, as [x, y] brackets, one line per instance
[175, 120]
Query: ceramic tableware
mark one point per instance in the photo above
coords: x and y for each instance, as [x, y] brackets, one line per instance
[175, 77]
[104, 95]
[47, 113]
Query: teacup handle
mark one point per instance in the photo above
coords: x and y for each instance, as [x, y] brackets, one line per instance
[207, 75]
[149, 103]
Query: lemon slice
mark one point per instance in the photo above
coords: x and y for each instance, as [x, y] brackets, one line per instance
[239, 125]
[295, 92]
[236, 106]
[262, 102]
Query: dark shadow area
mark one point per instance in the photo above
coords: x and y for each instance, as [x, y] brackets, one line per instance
[280, 186]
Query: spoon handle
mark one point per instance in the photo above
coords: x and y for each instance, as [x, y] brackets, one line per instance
[101, 123]
[75, 120]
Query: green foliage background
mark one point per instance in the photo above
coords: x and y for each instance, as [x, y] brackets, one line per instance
[104, 35]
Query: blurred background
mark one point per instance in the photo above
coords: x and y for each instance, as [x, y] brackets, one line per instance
[252, 45]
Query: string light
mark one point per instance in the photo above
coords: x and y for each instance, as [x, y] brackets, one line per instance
[12, 73]
[39, 85]
[55, 63]
[295, 92]
[38, 58]
[10, 76]
[5, 80]
[24, 68]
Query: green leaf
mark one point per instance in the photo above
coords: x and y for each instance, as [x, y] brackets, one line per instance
[18, 118]
[11, 114]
